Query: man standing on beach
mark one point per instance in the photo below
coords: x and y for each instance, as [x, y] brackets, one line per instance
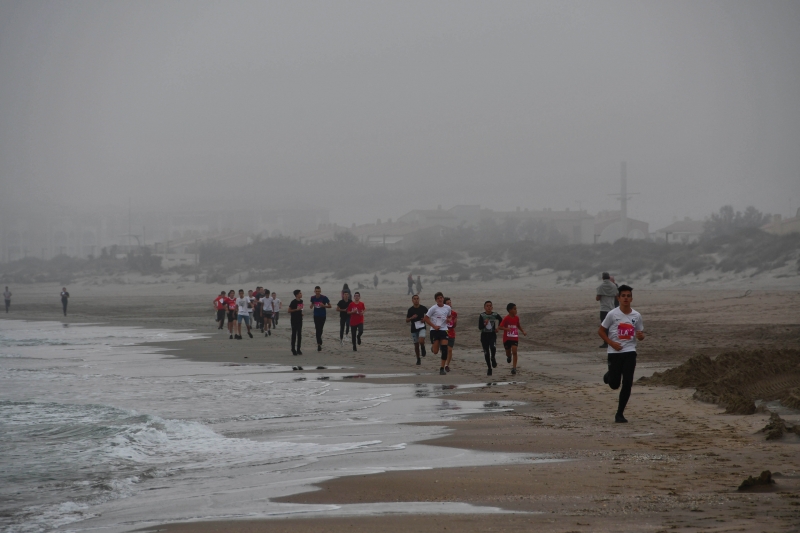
[375, 280]
[620, 330]
[437, 317]
[320, 303]
[419, 285]
[356, 311]
[244, 308]
[606, 295]
[296, 321]
[416, 317]
[64, 299]
[7, 298]
[410, 285]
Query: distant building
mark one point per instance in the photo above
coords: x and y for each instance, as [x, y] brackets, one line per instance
[684, 231]
[609, 226]
[783, 226]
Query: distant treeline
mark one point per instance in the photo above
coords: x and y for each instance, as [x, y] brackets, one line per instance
[732, 242]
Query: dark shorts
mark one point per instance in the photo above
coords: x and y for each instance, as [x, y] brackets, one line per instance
[220, 314]
[231, 316]
[268, 314]
[438, 335]
[451, 341]
[508, 344]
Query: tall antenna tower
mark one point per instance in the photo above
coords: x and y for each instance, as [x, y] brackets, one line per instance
[623, 198]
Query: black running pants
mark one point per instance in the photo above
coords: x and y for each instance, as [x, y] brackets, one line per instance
[64, 303]
[344, 325]
[620, 369]
[319, 323]
[297, 334]
[488, 342]
[356, 332]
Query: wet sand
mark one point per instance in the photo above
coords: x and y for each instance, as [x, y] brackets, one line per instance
[675, 467]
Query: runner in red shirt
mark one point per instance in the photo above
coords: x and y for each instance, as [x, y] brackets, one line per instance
[230, 301]
[356, 312]
[452, 321]
[221, 307]
[511, 327]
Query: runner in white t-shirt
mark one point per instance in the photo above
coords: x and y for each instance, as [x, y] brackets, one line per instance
[437, 317]
[276, 309]
[266, 312]
[245, 307]
[625, 327]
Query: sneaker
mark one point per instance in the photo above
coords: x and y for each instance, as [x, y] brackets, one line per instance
[605, 378]
[341, 341]
[494, 362]
[618, 418]
[359, 341]
[604, 345]
[319, 347]
[419, 361]
[249, 334]
[347, 338]
[299, 351]
[294, 352]
[513, 370]
[266, 334]
[355, 349]
[424, 352]
[489, 371]
[270, 333]
[447, 368]
[230, 337]
[508, 359]
[442, 372]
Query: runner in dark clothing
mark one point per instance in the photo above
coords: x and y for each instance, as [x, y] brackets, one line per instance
[64, 299]
[344, 318]
[296, 320]
[487, 324]
[416, 317]
[320, 303]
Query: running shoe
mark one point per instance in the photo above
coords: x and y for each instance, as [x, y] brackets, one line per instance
[249, 334]
[489, 371]
[513, 370]
[508, 359]
[299, 351]
[447, 368]
[359, 341]
[294, 352]
[341, 341]
[355, 349]
[230, 337]
[442, 372]
[419, 361]
[605, 378]
[494, 362]
[604, 345]
[319, 347]
[618, 418]
[266, 334]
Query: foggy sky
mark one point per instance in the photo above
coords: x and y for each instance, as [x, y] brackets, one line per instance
[374, 108]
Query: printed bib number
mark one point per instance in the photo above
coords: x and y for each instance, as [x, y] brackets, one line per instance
[513, 333]
[625, 331]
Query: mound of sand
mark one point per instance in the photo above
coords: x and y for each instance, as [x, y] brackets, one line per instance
[736, 380]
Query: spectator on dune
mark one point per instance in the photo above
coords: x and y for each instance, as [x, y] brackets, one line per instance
[419, 285]
[410, 285]
[375, 280]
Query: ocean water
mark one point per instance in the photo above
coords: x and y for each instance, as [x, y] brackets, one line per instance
[100, 432]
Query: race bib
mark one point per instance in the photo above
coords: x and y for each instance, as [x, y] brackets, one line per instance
[299, 306]
[625, 331]
[512, 332]
[317, 304]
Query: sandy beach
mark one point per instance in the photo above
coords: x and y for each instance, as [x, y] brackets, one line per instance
[675, 467]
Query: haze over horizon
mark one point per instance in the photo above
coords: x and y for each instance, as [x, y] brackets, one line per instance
[373, 109]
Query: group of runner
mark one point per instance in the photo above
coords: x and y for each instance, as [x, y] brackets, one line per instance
[262, 309]
[620, 328]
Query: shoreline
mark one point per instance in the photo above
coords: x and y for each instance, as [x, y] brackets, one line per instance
[677, 463]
